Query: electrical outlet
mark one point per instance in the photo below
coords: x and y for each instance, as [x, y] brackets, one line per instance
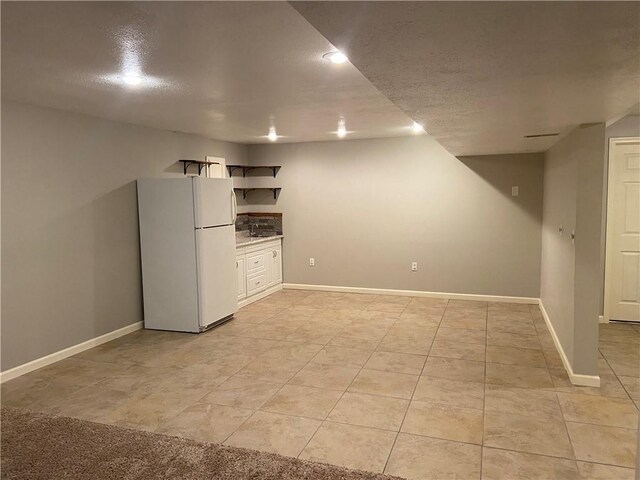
[312, 262]
[414, 266]
[515, 191]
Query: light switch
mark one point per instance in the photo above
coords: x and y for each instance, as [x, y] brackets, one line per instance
[515, 191]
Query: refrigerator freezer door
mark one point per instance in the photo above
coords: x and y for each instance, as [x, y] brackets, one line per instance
[213, 201]
[168, 254]
[217, 276]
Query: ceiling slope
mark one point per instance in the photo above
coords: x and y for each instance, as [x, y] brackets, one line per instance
[225, 70]
[482, 75]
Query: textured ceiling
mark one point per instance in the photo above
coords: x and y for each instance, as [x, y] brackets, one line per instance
[482, 75]
[225, 70]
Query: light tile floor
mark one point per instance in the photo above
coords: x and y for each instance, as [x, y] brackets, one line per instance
[416, 387]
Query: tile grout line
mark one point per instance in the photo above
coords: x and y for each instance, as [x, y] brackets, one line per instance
[615, 374]
[404, 417]
[555, 392]
[322, 422]
[484, 391]
[276, 392]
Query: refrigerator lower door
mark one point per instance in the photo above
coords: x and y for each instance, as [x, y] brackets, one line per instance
[213, 201]
[217, 277]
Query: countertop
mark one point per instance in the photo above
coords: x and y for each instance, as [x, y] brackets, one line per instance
[243, 240]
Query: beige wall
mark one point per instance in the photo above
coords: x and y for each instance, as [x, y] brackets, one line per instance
[70, 251]
[570, 277]
[365, 209]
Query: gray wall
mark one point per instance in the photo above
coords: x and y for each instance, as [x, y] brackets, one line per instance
[558, 255]
[365, 209]
[589, 148]
[628, 126]
[70, 251]
[570, 283]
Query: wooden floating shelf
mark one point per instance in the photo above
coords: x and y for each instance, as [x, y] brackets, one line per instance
[246, 168]
[244, 191]
[201, 164]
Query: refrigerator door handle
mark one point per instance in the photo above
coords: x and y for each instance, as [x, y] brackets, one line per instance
[234, 207]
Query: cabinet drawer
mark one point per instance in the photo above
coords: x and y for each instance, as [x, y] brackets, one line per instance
[255, 261]
[262, 246]
[256, 282]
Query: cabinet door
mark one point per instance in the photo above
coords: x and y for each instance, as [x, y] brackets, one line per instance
[242, 277]
[276, 265]
[268, 255]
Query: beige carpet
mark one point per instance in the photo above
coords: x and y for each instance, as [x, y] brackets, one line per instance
[39, 446]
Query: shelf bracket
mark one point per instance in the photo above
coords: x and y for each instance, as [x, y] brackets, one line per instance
[246, 168]
[231, 169]
[273, 190]
[187, 163]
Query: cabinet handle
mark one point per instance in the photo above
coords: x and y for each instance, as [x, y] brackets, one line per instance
[236, 264]
[275, 254]
[257, 283]
[257, 261]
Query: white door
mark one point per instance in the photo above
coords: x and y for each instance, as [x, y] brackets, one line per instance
[217, 275]
[241, 277]
[214, 202]
[216, 168]
[622, 281]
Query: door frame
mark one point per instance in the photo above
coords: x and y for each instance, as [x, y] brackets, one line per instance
[613, 145]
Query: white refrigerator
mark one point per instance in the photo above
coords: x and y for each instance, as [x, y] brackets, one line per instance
[187, 244]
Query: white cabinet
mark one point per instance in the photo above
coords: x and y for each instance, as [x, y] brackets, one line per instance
[241, 275]
[259, 269]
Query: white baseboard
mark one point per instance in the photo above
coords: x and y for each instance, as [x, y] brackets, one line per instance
[259, 296]
[413, 293]
[576, 378]
[602, 320]
[67, 352]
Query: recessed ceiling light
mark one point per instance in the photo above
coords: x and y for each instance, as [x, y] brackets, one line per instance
[342, 129]
[417, 128]
[132, 80]
[335, 57]
[273, 136]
